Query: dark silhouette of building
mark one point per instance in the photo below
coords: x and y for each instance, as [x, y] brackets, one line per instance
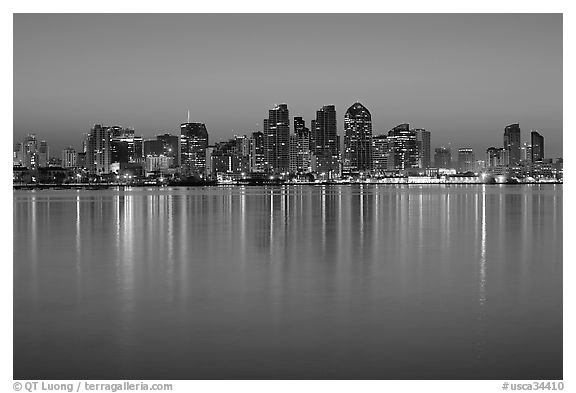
[466, 161]
[537, 142]
[153, 147]
[403, 148]
[443, 157]
[301, 146]
[324, 139]
[170, 147]
[512, 143]
[193, 144]
[423, 143]
[257, 155]
[277, 139]
[125, 146]
[357, 139]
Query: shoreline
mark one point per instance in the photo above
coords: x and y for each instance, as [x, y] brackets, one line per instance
[18, 187]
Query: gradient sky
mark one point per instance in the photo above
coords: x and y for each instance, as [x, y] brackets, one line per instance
[463, 77]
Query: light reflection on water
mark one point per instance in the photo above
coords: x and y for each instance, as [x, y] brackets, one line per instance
[372, 282]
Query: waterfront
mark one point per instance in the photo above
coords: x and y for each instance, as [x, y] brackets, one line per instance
[342, 282]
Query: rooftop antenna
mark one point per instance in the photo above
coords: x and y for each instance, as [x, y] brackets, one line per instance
[188, 116]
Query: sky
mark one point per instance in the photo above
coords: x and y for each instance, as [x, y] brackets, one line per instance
[464, 77]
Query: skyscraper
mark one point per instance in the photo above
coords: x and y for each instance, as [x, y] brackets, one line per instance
[403, 148]
[379, 153]
[30, 152]
[526, 152]
[121, 144]
[17, 155]
[69, 157]
[537, 141]
[443, 157]
[303, 148]
[293, 152]
[98, 150]
[512, 143]
[466, 162]
[357, 139]
[193, 144]
[153, 147]
[423, 143]
[43, 154]
[323, 138]
[276, 139]
[496, 157]
[257, 152]
[170, 147]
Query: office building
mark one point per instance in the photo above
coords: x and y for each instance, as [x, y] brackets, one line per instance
[193, 144]
[423, 144]
[496, 157]
[277, 139]
[512, 143]
[324, 139]
[357, 139]
[379, 153]
[443, 157]
[69, 157]
[170, 147]
[402, 148]
[466, 161]
[98, 150]
[537, 140]
[154, 148]
[257, 152]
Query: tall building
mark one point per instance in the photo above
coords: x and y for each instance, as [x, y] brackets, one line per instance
[293, 153]
[98, 150]
[526, 152]
[403, 148]
[17, 155]
[29, 152]
[466, 162]
[43, 154]
[496, 157]
[153, 148]
[193, 144]
[379, 153]
[257, 153]
[69, 157]
[512, 143]
[303, 146]
[443, 157]
[170, 147]
[423, 143]
[125, 146]
[357, 139]
[276, 139]
[537, 141]
[324, 138]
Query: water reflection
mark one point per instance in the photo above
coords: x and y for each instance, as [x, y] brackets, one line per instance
[289, 282]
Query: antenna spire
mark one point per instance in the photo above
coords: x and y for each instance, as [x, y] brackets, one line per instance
[188, 121]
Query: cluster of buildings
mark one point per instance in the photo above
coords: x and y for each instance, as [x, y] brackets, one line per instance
[286, 148]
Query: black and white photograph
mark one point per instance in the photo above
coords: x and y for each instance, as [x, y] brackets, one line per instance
[287, 196]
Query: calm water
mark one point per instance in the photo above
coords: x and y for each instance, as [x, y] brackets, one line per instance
[346, 282]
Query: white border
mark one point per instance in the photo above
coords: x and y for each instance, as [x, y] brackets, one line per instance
[420, 6]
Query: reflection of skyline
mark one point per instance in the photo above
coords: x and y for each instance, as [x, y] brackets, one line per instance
[367, 261]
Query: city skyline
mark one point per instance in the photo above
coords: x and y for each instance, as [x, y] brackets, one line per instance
[445, 74]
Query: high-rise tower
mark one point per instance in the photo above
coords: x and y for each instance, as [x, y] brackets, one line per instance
[277, 139]
[357, 139]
